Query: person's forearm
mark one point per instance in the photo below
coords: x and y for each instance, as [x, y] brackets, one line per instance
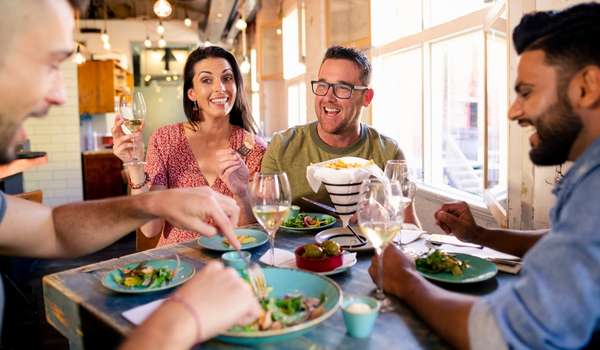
[513, 242]
[85, 227]
[446, 312]
[170, 327]
[246, 215]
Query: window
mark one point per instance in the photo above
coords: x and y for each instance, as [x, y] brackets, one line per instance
[296, 104]
[441, 85]
[292, 65]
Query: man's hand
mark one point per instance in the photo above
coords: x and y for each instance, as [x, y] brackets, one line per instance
[398, 270]
[233, 171]
[456, 218]
[220, 298]
[190, 209]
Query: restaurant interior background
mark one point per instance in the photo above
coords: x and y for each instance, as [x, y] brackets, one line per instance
[443, 73]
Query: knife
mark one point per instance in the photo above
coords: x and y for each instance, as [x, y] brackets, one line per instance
[320, 205]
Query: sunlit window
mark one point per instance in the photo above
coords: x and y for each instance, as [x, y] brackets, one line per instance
[296, 104]
[292, 67]
[442, 94]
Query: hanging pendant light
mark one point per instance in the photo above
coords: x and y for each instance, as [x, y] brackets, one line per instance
[78, 58]
[245, 66]
[147, 42]
[187, 21]
[162, 42]
[162, 8]
[160, 29]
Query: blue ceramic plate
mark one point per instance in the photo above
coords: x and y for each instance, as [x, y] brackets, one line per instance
[184, 273]
[216, 242]
[478, 270]
[286, 281]
[310, 229]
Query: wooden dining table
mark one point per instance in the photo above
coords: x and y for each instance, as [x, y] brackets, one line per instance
[90, 315]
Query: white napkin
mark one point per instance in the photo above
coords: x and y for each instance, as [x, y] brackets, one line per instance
[138, 314]
[318, 173]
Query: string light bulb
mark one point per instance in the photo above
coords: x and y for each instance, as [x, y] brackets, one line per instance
[245, 66]
[162, 42]
[78, 58]
[104, 36]
[160, 29]
[187, 21]
[240, 24]
[162, 8]
[106, 46]
[147, 42]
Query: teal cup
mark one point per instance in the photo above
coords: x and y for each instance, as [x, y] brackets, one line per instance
[360, 313]
[233, 260]
[294, 211]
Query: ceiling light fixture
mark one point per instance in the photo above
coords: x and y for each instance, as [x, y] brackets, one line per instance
[162, 42]
[162, 8]
[104, 36]
[245, 66]
[147, 42]
[187, 21]
[106, 46]
[78, 58]
[240, 24]
[160, 29]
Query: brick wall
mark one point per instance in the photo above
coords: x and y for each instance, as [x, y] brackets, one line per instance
[58, 134]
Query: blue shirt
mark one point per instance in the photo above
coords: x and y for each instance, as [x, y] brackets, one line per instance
[556, 302]
[2, 212]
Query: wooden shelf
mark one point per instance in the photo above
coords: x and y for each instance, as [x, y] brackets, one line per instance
[100, 85]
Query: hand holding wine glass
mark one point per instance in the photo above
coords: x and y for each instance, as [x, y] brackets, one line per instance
[271, 198]
[133, 111]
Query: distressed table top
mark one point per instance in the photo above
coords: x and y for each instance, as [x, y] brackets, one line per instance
[89, 315]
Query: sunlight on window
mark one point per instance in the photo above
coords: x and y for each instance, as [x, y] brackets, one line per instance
[456, 111]
[296, 95]
[391, 20]
[292, 67]
[397, 105]
[497, 111]
[441, 11]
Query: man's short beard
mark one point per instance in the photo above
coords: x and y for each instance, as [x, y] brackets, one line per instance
[557, 128]
[7, 134]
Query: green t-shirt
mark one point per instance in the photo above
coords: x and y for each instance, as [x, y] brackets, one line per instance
[294, 149]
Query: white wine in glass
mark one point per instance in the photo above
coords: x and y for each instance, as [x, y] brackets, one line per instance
[271, 198]
[374, 221]
[133, 111]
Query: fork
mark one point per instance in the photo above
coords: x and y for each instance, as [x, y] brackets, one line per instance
[256, 277]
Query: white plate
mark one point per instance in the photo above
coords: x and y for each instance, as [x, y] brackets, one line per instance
[346, 238]
[287, 259]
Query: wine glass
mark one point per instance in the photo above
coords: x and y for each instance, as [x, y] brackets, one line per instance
[374, 220]
[133, 111]
[402, 190]
[271, 198]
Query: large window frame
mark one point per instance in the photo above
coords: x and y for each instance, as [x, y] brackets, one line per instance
[294, 68]
[484, 21]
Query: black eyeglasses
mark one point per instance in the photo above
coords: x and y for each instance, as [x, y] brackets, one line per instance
[340, 90]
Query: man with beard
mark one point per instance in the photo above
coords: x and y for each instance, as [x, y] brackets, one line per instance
[556, 301]
[36, 36]
[341, 92]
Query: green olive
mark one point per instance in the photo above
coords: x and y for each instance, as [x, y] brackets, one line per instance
[312, 251]
[331, 248]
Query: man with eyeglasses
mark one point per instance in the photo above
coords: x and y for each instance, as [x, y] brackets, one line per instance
[341, 91]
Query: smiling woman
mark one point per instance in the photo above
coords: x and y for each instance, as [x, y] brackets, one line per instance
[216, 147]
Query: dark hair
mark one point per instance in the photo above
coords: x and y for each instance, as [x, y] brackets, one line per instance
[348, 53]
[569, 38]
[240, 113]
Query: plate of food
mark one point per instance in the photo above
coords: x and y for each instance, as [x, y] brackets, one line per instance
[298, 301]
[148, 276]
[455, 268]
[308, 222]
[249, 238]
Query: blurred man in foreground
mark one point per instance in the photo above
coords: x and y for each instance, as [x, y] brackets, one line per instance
[36, 36]
[556, 301]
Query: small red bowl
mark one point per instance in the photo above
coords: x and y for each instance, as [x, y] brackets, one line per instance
[317, 265]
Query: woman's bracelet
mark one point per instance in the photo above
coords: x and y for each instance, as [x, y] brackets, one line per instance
[138, 186]
[176, 298]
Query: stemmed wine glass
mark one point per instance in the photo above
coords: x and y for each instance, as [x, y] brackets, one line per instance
[271, 198]
[402, 190]
[375, 222]
[133, 110]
